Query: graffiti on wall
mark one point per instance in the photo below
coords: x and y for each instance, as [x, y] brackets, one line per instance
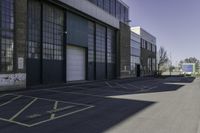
[18, 79]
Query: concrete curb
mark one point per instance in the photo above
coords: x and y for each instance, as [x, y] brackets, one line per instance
[198, 129]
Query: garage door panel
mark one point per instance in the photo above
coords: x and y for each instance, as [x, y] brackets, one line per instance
[75, 63]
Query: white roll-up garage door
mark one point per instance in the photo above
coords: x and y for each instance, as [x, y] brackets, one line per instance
[75, 63]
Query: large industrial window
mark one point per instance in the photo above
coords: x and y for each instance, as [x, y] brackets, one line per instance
[6, 35]
[149, 65]
[91, 42]
[126, 13]
[34, 29]
[53, 23]
[91, 49]
[113, 7]
[100, 3]
[122, 13]
[118, 10]
[153, 64]
[100, 44]
[135, 60]
[142, 43]
[107, 5]
[93, 1]
[135, 48]
[149, 46]
[153, 48]
[110, 46]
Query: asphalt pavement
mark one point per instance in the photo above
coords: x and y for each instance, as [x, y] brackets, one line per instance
[170, 105]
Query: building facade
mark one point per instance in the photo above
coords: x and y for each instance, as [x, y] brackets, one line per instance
[148, 51]
[135, 55]
[51, 42]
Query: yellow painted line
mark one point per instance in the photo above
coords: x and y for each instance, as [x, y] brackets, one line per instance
[54, 108]
[18, 113]
[77, 93]
[15, 122]
[93, 89]
[120, 85]
[11, 120]
[134, 86]
[3, 95]
[41, 122]
[61, 116]
[34, 116]
[15, 98]
[58, 110]
[53, 99]
[108, 84]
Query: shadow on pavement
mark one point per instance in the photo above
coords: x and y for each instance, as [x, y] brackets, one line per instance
[180, 79]
[106, 113]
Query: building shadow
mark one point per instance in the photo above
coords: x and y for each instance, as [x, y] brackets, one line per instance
[180, 79]
[106, 113]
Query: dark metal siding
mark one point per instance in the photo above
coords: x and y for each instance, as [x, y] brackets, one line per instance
[45, 44]
[77, 30]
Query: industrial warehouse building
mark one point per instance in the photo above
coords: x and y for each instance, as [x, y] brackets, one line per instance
[51, 42]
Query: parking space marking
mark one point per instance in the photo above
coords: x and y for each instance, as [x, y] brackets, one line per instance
[108, 84]
[15, 122]
[11, 100]
[52, 99]
[99, 89]
[55, 110]
[134, 86]
[55, 107]
[122, 86]
[151, 88]
[34, 116]
[23, 109]
[116, 82]
[3, 95]
[21, 117]
[80, 110]
[147, 89]
[77, 93]
[79, 86]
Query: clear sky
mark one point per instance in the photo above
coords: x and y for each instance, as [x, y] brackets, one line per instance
[175, 23]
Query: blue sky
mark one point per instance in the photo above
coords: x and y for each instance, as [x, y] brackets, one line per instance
[175, 23]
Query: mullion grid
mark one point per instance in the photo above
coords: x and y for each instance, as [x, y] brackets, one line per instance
[53, 34]
[100, 44]
[110, 46]
[91, 42]
[34, 30]
[6, 37]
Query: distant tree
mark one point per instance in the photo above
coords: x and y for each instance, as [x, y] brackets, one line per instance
[162, 59]
[171, 68]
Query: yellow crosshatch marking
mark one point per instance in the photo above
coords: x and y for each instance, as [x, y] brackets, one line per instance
[9, 101]
[52, 108]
